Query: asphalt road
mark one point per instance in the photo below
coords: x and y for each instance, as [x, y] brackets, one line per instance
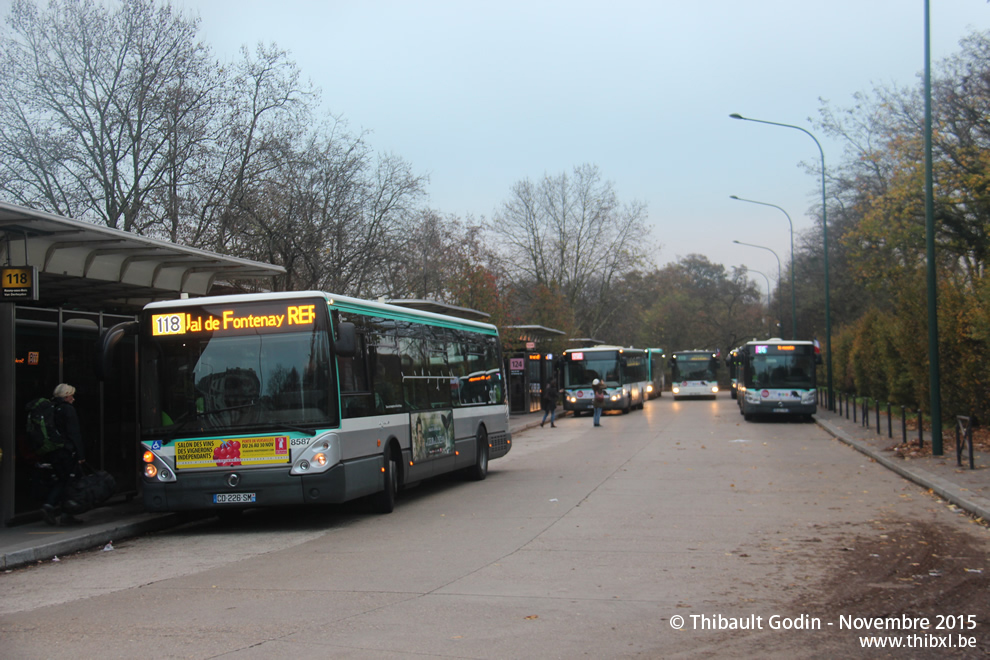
[582, 542]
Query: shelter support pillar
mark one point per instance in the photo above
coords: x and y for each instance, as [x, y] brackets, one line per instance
[7, 412]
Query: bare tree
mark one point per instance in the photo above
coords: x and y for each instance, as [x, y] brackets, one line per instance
[85, 99]
[571, 232]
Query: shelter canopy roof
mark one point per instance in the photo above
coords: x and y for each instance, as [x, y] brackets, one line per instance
[88, 266]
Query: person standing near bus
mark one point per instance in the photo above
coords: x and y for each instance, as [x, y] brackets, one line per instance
[66, 459]
[550, 404]
[598, 399]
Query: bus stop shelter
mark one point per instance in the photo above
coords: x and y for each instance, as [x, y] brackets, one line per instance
[64, 282]
[531, 365]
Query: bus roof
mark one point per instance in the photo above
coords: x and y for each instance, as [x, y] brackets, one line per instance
[343, 303]
[777, 340]
[598, 349]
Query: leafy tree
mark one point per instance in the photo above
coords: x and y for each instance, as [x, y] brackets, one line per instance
[695, 303]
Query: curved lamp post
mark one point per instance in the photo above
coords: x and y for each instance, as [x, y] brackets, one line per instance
[828, 309]
[763, 247]
[791, 224]
[769, 329]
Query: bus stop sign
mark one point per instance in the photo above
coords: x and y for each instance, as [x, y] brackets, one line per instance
[19, 283]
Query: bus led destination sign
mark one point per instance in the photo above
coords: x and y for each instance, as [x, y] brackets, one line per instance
[232, 320]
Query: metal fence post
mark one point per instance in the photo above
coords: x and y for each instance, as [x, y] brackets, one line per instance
[967, 423]
[890, 423]
[877, 402]
[921, 430]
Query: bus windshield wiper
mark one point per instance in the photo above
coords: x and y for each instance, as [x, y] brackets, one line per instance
[186, 420]
[284, 425]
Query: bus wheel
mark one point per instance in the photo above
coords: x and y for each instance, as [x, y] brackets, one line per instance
[384, 501]
[479, 470]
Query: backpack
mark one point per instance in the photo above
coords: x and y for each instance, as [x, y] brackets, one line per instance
[43, 437]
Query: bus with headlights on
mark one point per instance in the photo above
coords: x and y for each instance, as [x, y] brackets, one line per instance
[306, 397]
[777, 377]
[623, 371]
[694, 374]
[657, 362]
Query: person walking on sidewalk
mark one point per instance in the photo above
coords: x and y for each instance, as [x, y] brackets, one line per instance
[598, 399]
[66, 459]
[549, 403]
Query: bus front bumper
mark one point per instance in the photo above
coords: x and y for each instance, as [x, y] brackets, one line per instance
[262, 487]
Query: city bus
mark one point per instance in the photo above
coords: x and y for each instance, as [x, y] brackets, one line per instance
[308, 397]
[732, 364]
[657, 376]
[777, 377]
[623, 371]
[694, 373]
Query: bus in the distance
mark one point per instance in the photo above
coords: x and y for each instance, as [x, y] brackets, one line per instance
[777, 377]
[307, 397]
[732, 364]
[656, 359]
[623, 371]
[694, 374]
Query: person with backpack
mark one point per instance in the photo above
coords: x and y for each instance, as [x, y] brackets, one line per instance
[598, 400]
[68, 454]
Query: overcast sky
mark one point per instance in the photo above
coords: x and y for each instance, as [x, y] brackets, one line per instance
[480, 95]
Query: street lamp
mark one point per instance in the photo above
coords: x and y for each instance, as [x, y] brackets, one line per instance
[828, 308]
[791, 224]
[769, 329]
[763, 247]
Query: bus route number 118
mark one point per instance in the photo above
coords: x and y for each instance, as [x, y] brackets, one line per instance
[168, 324]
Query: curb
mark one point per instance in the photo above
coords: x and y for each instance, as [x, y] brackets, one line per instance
[87, 539]
[978, 506]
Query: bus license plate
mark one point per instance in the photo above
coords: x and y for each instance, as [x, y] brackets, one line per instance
[781, 410]
[234, 498]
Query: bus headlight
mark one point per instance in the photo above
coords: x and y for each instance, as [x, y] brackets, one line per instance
[714, 389]
[649, 389]
[321, 455]
[157, 467]
[675, 389]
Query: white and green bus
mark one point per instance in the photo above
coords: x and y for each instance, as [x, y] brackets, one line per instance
[307, 397]
[777, 377]
[694, 373]
[656, 360]
[623, 371]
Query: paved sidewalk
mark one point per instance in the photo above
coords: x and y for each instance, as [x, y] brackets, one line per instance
[37, 541]
[968, 489]
[34, 542]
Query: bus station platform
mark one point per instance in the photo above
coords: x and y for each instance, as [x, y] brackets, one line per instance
[967, 489]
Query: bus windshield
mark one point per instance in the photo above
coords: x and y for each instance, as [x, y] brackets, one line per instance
[220, 384]
[782, 371]
[579, 372]
[694, 368]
